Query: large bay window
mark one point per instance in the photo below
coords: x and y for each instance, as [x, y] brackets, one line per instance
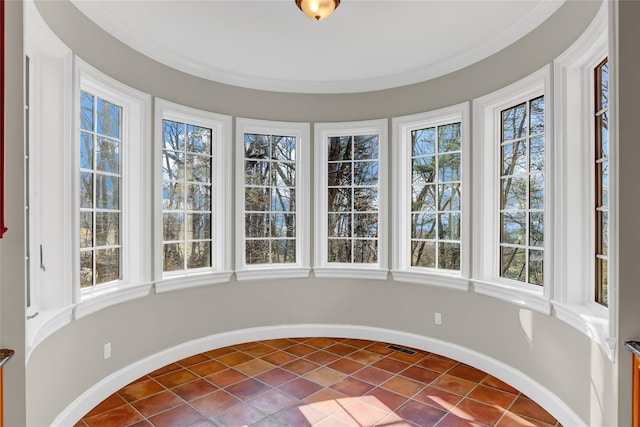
[431, 201]
[350, 198]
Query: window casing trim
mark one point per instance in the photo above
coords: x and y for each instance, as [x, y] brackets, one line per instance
[301, 131]
[221, 126]
[322, 268]
[401, 128]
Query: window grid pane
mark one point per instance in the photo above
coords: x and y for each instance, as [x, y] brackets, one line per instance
[436, 209]
[353, 199]
[100, 188]
[601, 182]
[270, 199]
[186, 197]
[522, 192]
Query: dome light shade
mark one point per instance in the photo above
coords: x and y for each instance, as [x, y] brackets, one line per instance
[318, 9]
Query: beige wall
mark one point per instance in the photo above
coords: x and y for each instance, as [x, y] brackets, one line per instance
[552, 353]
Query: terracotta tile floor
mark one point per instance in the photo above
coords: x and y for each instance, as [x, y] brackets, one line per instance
[317, 381]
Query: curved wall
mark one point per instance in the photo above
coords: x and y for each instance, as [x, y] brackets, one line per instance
[542, 347]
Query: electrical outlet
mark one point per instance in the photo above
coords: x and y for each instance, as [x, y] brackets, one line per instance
[107, 351]
[438, 319]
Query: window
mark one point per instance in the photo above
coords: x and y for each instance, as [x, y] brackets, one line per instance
[193, 202]
[522, 192]
[272, 203]
[429, 207]
[351, 165]
[601, 182]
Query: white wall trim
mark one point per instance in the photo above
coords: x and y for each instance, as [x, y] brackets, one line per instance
[536, 391]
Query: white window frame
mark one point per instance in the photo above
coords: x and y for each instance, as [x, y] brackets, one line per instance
[220, 125]
[135, 197]
[575, 218]
[322, 267]
[486, 136]
[301, 131]
[402, 128]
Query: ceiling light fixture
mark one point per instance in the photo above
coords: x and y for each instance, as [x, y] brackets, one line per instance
[318, 9]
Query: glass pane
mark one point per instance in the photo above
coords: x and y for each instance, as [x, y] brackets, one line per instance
[339, 174]
[198, 254]
[536, 191]
[86, 229]
[86, 190]
[257, 172]
[198, 139]
[536, 110]
[283, 199]
[449, 226]
[283, 225]
[514, 158]
[172, 165]
[604, 227]
[108, 156]
[283, 251]
[86, 111]
[449, 138]
[449, 167]
[365, 251]
[449, 256]
[339, 225]
[536, 263]
[449, 196]
[198, 168]
[536, 229]
[86, 150]
[256, 225]
[423, 254]
[339, 200]
[604, 134]
[173, 257]
[365, 173]
[107, 265]
[107, 229]
[604, 268]
[257, 199]
[199, 226]
[365, 147]
[423, 226]
[536, 153]
[172, 195]
[257, 252]
[198, 197]
[365, 225]
[514, 123]
[107, 192]
[339, 250]
[173, 135]
[86, 269]
[604, 187]
[514, 193]
[283, 174]
[284, 148]
[339, 148]
[256, 147]
[513, 227]
[424, 198]
[512, 263]
[423, 142]
[173, 226]
[424, 170]
[365, 199]
[604, 85]
[108, 119]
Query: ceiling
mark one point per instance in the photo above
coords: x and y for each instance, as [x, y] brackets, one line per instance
[363, 46]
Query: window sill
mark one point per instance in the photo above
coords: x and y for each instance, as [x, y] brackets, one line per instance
[96, 299]
[273, 273]
[173, 283]
[46, 323]
[444, 280]
[591, 321]
[532, 300]
[343, 271]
